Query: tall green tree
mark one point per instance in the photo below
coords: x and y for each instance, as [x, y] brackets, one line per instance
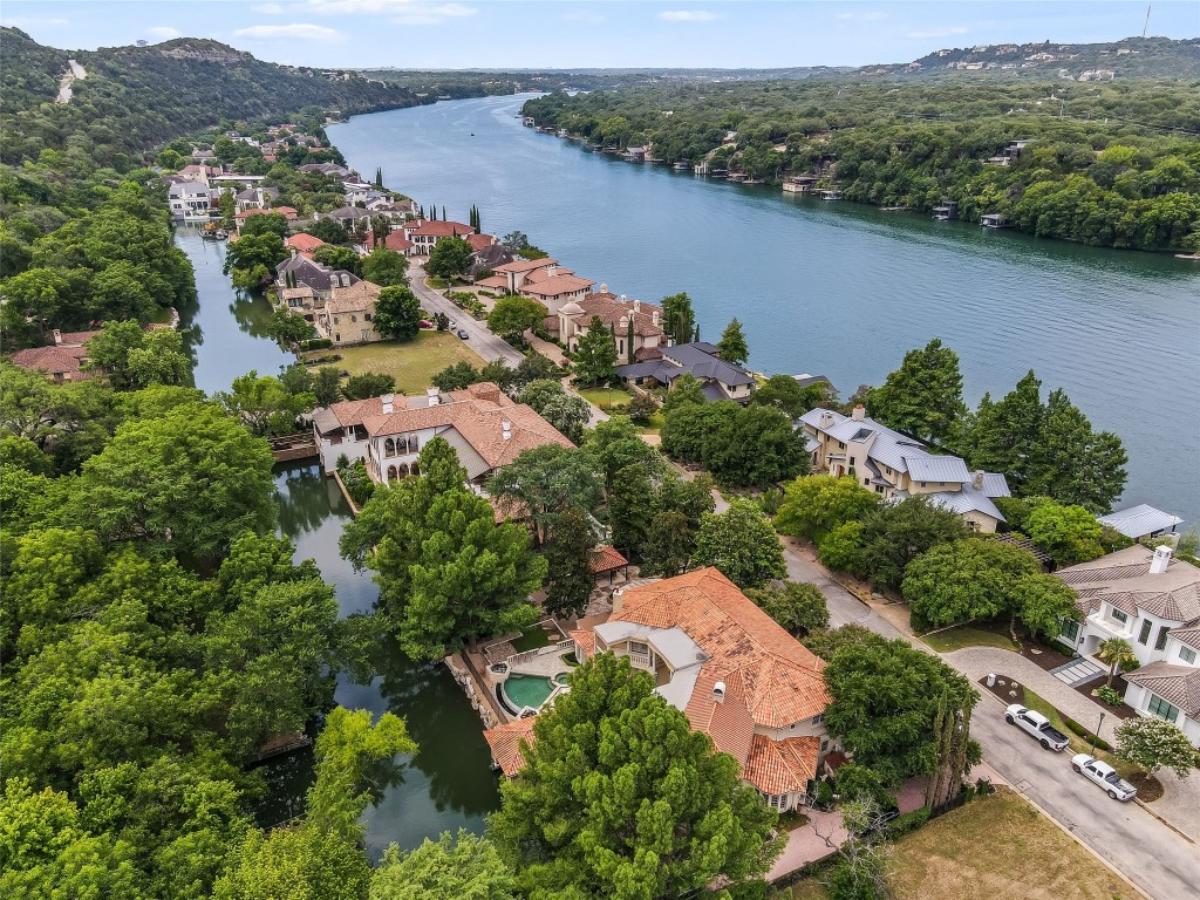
[1069, 534]
[595, 359]
[449, 258]
[679, 319]
[895, 534]
[732, 347]
[568, 557]
[264, 405]
[1155, 744]
[741, 543]
[336, 257]
[398, 313]
[630, 508]
[566, 412]
[798, 607]
[1073, 463]
[813, 505]
[513, 315]
[466, 866]
[448, 574]
[642, 805]
[545, 481]
[924, 396]
[134, 358]
[386, 268]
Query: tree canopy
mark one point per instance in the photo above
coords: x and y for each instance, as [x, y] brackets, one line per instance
[923, 397]
[741, 543]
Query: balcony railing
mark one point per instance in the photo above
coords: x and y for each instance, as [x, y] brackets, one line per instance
[1112, 626]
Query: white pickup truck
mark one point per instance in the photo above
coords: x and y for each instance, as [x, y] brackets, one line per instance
[1103, 776]
[1037, 726]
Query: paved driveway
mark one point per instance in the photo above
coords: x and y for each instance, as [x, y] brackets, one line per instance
[482, 341]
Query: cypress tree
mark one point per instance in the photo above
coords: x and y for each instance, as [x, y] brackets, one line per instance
[629, 341]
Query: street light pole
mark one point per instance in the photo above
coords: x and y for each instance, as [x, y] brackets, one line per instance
[1096, 736]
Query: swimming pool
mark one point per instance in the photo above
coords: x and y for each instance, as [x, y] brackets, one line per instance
[527, 690]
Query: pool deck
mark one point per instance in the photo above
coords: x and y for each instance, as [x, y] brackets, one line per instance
[547, 665]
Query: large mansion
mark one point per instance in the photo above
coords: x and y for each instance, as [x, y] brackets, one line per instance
[1152, 601]
[728, 666]
[484, 426]
[896, 466]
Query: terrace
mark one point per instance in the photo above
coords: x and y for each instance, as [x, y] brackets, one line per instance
[529, 670]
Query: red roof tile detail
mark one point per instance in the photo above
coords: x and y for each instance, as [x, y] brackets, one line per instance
[782, 767]
[606, 559]
[505, 743]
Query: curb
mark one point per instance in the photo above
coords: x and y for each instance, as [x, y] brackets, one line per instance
[1147, 808]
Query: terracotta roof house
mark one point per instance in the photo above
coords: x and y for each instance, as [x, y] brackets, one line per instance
[478, 241]
[607, 560]
[516, 272]
[735, 673]
[395, 241]
[425, 234]
[505, 743]
[1151, 600]
[58, 364]
[636, 326]
[486, 429]
[303, 243]
[558, 289]
[348, 316]
[897, 466]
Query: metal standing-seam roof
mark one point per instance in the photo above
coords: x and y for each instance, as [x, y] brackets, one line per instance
[1139, 521]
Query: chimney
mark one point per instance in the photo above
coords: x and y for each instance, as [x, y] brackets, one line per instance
[1162, 559]
[57, 337]
[388, 401]
[506, 429]
[826, 418]
[654, 317]
[719, 692]
[637, 306]
[623, 323]
[858, 413]
[431, 395]
[977, 480]
[604, 288]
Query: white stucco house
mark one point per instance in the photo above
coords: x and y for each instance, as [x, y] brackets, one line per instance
[1152, 601]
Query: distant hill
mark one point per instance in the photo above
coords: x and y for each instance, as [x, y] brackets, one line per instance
[136, 97]
[1129, 58]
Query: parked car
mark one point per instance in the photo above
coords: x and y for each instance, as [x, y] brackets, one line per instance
[1037, 726]
[462, 333]
[1103, 776]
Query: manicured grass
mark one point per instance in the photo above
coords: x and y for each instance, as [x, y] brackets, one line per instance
[412, 363]
[605, 397]
[997, 847]
[967, 636]
[1077, 744]
[654, 426]
[531, 638]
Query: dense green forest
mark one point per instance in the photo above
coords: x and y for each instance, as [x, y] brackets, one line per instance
[137, 97]
[1113, 164]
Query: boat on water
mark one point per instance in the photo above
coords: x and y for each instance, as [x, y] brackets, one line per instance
[831, 194]
[212, 233]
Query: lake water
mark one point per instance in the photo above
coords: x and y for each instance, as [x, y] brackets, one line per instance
[447, 784]
[832, 288]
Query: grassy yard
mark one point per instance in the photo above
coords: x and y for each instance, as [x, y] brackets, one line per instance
[1077, 744]
[605, 397]
[998, 847]
[531, 638]
[967, 636]
[411, 363]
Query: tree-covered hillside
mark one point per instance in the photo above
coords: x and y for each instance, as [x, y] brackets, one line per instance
[136, 97]
[1114, 164]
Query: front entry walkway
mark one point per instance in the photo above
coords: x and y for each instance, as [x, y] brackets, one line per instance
[1078, 671]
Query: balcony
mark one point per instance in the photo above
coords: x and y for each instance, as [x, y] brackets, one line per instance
[1111, 627]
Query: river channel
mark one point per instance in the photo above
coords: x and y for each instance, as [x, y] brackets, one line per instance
[447, 784]
[833, 288]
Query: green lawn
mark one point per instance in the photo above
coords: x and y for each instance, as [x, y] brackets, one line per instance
[412, 363]
[988, 848]
[1077, 744]
[967, 636]
[605, 397]
[531, 638]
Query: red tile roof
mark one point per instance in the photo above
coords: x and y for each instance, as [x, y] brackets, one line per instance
[304, 242]
[52, 360]
[557, 285]
[440, 229]
[479, 241]
[526, 265]
[606, 559]
[395, 240]
[782, 767]
[505, 742]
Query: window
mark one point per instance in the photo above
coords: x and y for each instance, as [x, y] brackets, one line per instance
[824, 744]
[1119, 616]
[1187, 655]
[841, 445]
[1145, 632]
[389, 447]
[922, 484]
[1162, 637]
[866, 481]
[1070, 629]
[1161, 708]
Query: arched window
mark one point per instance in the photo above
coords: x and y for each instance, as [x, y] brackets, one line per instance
[402, 470]
[391, 473]
[389, 447]
[414, 469]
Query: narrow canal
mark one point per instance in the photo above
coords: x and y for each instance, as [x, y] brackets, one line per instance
[447, 784]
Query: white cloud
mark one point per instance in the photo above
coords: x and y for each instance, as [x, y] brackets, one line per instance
[687, 15]
[947, 31]
[862, 16]
[297, 32]
[164, 32]
[268, 9]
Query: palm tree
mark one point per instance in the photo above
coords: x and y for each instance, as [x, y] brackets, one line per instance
[1116, 652]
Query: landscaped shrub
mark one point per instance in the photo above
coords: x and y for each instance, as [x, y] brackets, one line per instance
[316, 344]
[1080, 731]
[1108, 695]
[358, 483]
[906, 822]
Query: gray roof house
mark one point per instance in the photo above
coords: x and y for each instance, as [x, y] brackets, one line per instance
[300, 271]
[1141, 521]
[897, 466]
[720, 380]
[346, 214]
[1151, 600]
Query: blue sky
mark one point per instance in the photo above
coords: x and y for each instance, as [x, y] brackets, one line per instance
[465, 33]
